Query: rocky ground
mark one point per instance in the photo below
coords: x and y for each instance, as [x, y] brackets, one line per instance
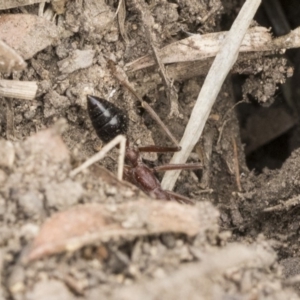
[90, 236]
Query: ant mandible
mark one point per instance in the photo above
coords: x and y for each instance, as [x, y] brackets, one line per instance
[109, 121]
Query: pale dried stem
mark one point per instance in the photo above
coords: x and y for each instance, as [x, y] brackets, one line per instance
[211, 87]
[201, 47]
[170, 92]
[120, 139]
[121, 13]
[119, 74]
[18, 89]
[190, 69]
[284, 205]
[6, 4]
[41, 9]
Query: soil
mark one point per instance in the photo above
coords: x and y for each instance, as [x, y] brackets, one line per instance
[245, 241]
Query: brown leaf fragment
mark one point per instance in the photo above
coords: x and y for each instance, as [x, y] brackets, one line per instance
[10, 60]
[27, 34]
[90, 223]
[59, 233]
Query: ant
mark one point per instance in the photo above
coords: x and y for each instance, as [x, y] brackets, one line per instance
[109, 121]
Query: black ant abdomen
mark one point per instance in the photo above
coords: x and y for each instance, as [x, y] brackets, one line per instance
[107, 119]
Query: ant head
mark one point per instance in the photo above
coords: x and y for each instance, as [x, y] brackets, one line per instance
[132, 156]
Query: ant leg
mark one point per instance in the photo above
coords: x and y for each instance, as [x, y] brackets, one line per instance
[158, 149]
[120, 139]
[169, 167]
[181, 199]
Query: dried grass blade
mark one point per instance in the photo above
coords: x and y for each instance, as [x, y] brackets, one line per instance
[211, 87]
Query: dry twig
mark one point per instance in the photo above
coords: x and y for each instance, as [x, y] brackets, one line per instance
[189, 69]
[121, 76]
[121, 13]
[18, 89]
[201, 47]
[120, 139]
[171, 94]
[211, 87]
[284, 205]
[226, 120]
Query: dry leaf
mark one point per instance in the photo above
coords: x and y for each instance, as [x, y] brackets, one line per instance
[90, 223]
[27, 34]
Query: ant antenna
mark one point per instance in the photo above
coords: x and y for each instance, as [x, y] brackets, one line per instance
[122, 79]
